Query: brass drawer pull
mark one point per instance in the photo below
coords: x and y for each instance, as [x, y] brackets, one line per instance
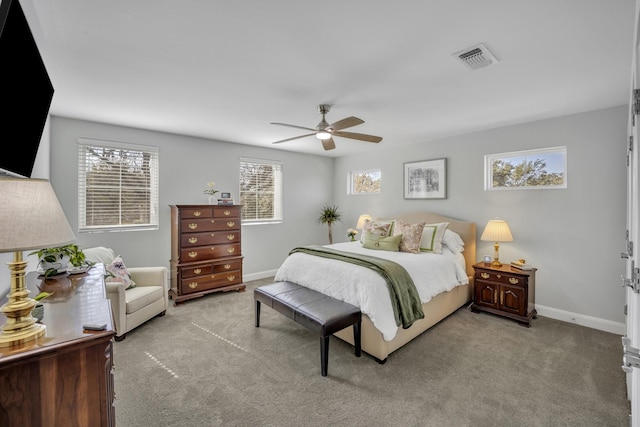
[227, 266]
[231, 236]
[498, 275]
[213, 221]
[197, 270]
[231, 278]
[193, 226]
[193, 285]
[193, 239]
[230, 224]
[485, 275]
[231, 250]
[227, 213]
[513, 280]
[193, 254]
[197, 213]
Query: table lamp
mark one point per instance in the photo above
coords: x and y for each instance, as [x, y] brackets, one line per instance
[31, 218]
[361, 221]
[496, 231]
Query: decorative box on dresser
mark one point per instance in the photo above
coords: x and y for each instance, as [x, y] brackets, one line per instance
[64, 378]
[505, 291]
[206, 250]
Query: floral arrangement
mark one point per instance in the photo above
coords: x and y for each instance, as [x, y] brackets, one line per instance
[210, 190]
[352, 233]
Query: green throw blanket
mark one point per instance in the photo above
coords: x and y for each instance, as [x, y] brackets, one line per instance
[404, 295]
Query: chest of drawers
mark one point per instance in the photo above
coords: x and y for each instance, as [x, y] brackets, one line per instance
[206, 250]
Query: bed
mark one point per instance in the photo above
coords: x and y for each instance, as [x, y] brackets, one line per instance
[339, 279]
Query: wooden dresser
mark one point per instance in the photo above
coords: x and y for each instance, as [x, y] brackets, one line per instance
[64, 378]
[206, 250]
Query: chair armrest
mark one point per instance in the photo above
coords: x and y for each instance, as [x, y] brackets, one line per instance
[150, 276]
[116, 295]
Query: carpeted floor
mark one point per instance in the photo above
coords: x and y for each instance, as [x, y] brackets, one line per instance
[205, 364]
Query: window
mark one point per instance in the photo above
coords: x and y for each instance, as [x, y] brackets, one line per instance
[260, 190]
[117, 186]
[365, 182]
[544, 168]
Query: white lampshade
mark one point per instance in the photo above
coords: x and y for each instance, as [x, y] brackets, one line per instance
[31, 216]
[362, 219]
[497, 230]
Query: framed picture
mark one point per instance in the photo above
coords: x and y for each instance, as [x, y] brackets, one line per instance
[225, 195]
[426, 179]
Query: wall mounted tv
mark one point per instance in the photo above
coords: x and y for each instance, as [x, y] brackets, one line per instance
[26, 91]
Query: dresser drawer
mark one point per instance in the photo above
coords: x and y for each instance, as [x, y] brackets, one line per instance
[227, 212]
[189, 240]
[203, 253]
[209, 224]
[203, 283]
[195, 213]
[198, 270]
[498, 277]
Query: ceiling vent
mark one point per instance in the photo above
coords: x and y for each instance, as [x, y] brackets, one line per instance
[476, 57]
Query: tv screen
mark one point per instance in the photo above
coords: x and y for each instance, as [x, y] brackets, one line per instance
[25, 91]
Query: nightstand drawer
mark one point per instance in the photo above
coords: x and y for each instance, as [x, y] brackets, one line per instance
[500, 277]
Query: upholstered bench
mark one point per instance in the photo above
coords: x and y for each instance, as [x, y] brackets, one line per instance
[320, 313]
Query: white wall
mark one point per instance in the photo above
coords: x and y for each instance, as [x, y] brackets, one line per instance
[186, 165]
[573, 236]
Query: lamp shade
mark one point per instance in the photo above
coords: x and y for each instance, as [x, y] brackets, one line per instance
[362, 219]
[497, 230]
[31, 216]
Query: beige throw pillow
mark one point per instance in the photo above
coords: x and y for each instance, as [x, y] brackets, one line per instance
[411, 235]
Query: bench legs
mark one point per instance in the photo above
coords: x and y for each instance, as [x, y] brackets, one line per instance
[324, 348]
[257, 314]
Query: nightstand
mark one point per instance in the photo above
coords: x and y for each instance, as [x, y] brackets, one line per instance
[505, 291]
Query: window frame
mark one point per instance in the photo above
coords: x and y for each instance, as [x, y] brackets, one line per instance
[351, 175]
[153, 186]
[277, 199]
[537, 154]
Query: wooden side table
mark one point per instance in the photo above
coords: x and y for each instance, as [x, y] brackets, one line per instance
[505, 291]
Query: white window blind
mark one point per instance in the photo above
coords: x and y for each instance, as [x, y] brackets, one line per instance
[260, 190]
[117, 186]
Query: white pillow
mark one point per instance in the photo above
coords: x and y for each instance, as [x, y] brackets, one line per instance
[453, 241]
[432, 235]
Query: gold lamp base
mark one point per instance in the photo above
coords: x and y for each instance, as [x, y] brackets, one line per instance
[496, 257]
[20, 326]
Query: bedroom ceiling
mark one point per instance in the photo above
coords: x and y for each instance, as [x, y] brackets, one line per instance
[224, 70]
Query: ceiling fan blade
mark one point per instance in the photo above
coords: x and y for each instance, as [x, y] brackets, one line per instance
[346, 123]
[360, 136]
[293, 126]
[328, 144]
[291, 139]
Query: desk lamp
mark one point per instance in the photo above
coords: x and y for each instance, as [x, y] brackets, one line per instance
[31, 218]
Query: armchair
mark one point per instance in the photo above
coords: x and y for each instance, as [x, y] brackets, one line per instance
[134, 306]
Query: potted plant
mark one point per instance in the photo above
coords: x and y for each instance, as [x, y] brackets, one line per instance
[55, 260]
[328, 216]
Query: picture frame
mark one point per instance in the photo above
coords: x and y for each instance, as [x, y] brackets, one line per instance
[426, 179]
[225, 195]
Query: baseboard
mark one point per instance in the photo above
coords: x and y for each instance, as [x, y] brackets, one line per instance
[582, 320]
[259, 275]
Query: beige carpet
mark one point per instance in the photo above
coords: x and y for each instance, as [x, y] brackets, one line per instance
[206, 364]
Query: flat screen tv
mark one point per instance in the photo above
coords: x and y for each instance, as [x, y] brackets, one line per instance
[25, 92]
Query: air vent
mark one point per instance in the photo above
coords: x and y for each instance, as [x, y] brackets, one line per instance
[476, 57]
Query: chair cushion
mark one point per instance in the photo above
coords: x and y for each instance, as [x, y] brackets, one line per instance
[142, 296]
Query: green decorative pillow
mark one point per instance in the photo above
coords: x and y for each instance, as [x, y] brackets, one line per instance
[375, 241]
[432, 235]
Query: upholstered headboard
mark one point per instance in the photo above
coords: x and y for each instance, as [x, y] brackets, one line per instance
[466, 230]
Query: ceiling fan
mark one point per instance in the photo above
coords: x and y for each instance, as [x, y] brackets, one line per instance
[325, 131]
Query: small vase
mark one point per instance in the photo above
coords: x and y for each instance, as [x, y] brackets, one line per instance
[38, 312]
[212, 200]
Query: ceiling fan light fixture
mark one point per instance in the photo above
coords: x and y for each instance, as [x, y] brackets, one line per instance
[323, 135]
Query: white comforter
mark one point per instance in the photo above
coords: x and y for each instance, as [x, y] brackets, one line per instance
[364, 288]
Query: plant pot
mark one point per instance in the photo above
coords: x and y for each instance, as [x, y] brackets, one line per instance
[58, 261]
[212, 200]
